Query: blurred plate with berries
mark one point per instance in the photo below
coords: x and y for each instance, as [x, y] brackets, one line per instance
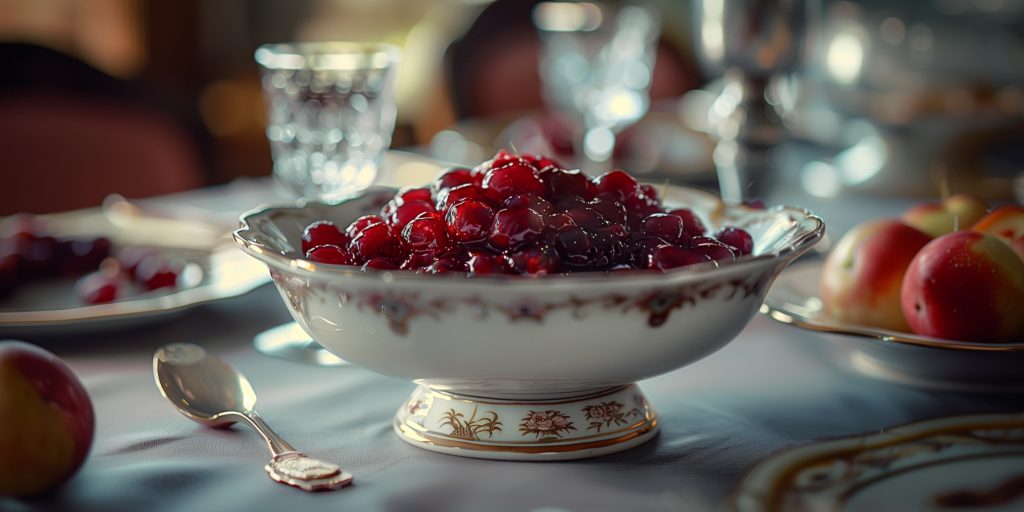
[78, 271]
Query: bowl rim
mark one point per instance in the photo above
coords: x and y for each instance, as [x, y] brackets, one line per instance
[801, 243]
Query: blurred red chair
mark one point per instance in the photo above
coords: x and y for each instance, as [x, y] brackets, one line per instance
[70, 135]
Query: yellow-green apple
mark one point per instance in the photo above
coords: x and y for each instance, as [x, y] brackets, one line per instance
[956, 212]
[966, 286]
[1007, 224]
[46, 420]
[860, 282]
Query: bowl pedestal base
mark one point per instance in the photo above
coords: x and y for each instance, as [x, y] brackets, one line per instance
[588, 425]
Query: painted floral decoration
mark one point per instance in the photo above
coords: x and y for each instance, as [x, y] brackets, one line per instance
[548, 423]
[606, 414]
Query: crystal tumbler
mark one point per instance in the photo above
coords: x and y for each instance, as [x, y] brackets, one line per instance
[331, 112]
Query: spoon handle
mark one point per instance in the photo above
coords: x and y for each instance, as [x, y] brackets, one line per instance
[289, 466]
[278, 446]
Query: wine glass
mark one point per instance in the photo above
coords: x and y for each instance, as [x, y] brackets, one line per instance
[596, 67]
[751, 42]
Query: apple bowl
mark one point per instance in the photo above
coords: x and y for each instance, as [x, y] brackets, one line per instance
[558, 354]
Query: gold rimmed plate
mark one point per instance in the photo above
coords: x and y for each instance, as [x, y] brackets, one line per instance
[899, 356]
[947, 464]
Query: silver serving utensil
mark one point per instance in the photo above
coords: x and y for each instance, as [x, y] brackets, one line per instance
[185, 227]
[210, 392]
[289, 341]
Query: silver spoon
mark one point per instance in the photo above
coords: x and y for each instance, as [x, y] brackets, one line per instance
[210, 392]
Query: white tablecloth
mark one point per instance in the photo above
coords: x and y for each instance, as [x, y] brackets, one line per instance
[773, 388]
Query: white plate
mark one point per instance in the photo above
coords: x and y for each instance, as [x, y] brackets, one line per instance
[51, 306]
[958, 463]
[900, 356]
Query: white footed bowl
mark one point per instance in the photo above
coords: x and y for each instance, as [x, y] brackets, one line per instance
[491, 349]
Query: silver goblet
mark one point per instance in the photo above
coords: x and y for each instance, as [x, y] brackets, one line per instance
[750, 42]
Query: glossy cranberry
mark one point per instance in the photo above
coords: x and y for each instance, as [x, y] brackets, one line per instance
[514, 227]
[373, 241]
[517, 177]
[155, 272]
[482, 263]
[667, 257]
[379, 263]
[608, 247]
[667, 227]
[649, 192]
[559, 183]
[639, 249]
[643, 204]
[502, 158]
[543, 163]
[426, 235]
[586, 217]
[691, 222]
[573, 246]
[620, 184]
[323, 232]
[558, 222]
[333, 254]
[754, 204]
[416, 261]
[738, 239]
[612, 210]
[692, 225]
[405, 196]
[453, 177]
[614, 229]
[531, 201]
[443, 266]
[405, 213]
[712, 249]
[408, 195]
[639, 208]
[569, 202]
[99, 287]
[448, 197]
[534, 260]
[359, 224]
[469, 221]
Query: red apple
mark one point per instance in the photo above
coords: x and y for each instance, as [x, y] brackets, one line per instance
[1007, 224]
[965, 286]
[861, 278]
[46, 420]
[956, 212]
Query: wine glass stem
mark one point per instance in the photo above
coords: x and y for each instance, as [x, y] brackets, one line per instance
[598, 146]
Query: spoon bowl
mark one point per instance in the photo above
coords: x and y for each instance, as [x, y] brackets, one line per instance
[203, 388]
